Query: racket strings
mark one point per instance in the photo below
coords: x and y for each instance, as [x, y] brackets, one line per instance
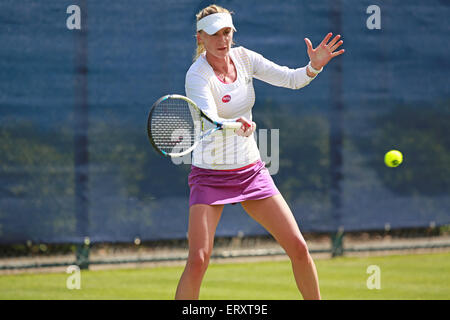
[173, 125]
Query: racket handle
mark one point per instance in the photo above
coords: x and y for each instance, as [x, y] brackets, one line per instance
[232, 125]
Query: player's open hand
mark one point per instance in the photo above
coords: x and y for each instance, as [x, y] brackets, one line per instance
[324, 52]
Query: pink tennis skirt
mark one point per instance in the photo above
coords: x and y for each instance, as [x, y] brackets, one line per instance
[216, 187]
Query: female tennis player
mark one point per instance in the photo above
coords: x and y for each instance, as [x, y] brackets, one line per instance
[227, 169]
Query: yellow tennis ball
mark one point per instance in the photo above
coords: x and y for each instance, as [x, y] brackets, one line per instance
[393, 158]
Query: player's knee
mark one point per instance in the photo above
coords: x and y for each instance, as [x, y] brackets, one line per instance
[198, 261]
[299, 250]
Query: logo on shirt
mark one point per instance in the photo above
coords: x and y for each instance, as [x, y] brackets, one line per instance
[226, 98]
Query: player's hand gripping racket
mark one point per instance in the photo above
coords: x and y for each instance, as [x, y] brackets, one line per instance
[175, 125]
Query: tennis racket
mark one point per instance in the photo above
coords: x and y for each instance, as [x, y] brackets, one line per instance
[175, 125]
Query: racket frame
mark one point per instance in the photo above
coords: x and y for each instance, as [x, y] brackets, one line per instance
[219, 125]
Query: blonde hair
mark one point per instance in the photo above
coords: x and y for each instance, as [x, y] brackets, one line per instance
[211, 9]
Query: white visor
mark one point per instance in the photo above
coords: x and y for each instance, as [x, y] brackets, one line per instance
[214, 22]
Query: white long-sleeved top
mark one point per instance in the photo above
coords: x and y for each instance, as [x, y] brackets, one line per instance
[225, 150]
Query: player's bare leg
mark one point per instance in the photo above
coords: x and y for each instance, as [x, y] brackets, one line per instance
[274, 214]
[203, 220]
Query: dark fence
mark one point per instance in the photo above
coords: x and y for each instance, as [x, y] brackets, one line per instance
[75, 160]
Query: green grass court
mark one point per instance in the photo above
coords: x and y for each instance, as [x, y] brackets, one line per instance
[419, 276]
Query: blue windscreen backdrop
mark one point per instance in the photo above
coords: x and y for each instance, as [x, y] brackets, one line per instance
[75, 160]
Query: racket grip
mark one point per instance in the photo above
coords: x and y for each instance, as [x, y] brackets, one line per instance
[232, 125]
